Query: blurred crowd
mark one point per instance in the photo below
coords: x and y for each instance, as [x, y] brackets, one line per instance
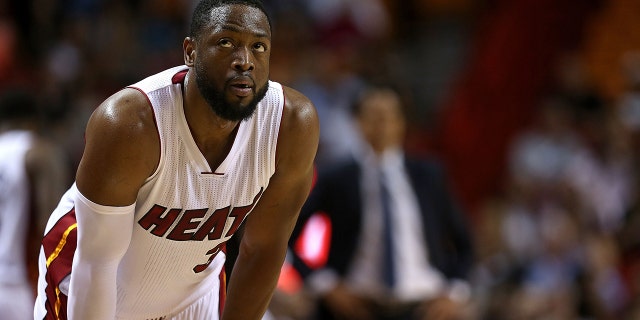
[559, 238]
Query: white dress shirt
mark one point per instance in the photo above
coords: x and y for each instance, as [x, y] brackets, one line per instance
[416, 279]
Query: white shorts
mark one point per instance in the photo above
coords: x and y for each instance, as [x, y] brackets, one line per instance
[205, 308]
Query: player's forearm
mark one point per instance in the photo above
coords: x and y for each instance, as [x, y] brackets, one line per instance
[92, 292]
[104, 234]
[254, 279]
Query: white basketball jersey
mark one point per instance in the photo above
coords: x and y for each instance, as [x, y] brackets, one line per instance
[14, 206]
[186, 210]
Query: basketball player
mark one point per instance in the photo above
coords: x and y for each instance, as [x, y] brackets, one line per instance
[32, 179]
[172, 166]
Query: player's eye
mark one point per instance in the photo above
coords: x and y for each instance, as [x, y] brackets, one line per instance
[260, 47]
[225, 43]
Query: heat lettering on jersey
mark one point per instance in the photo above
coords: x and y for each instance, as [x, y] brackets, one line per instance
[191, 226]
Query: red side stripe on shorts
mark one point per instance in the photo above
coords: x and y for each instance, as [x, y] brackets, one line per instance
[59, 246]
[222, 297]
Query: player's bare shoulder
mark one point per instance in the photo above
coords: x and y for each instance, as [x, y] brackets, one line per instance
[127, 110]
[299, 129]
[299, 112]
[125, 117]
[122, 143]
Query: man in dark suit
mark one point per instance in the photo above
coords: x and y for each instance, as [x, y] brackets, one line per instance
[419, 270]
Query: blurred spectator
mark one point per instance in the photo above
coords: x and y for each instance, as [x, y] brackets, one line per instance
[628, 244]
[341, 30]
[542, 152]
[629, 102]
[537, 158]
[431, 252]
[33, 175]
[569, 184]
[331, 88]
[602, 175]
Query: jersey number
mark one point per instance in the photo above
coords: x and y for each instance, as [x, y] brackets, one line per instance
[212, 254]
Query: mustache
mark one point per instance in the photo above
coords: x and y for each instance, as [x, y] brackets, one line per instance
[241, 80]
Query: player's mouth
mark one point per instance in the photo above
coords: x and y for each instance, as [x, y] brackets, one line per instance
[241, 87]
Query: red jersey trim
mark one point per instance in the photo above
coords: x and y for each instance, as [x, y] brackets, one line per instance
[155, 121]
[59, 246]
[222, 296]
[179, 77]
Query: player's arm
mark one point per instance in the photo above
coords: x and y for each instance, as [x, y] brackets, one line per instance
[268, 227]
[121, 151]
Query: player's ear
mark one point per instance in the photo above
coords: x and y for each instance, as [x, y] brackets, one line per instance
[189, 51]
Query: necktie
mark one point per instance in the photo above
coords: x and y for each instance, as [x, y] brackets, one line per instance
[388, 269]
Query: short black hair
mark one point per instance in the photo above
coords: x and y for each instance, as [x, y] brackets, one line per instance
[202, 13]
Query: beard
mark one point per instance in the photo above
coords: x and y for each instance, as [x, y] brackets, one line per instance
[220, 105]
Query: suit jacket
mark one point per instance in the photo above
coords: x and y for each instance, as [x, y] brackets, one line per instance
[337, 193]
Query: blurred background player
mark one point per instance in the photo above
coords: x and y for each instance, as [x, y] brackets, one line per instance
[32, 178]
